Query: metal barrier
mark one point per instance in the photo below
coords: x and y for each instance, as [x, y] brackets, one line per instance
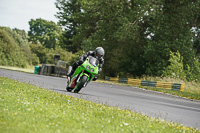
[156, 84]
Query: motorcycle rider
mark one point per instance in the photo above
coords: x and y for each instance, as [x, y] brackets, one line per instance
[98, 53]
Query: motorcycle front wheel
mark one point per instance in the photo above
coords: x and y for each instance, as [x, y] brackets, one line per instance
[83, 80]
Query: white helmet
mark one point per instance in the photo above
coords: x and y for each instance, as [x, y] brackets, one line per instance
[99, 52]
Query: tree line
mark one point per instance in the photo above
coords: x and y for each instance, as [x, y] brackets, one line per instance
[140, 37]
[17, 49]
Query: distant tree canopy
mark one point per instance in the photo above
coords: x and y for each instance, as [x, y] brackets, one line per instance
[137, 35]
[67, 9]
[44, 32]
[14, 48]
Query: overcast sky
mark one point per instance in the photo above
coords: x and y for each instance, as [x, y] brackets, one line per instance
[17, 13]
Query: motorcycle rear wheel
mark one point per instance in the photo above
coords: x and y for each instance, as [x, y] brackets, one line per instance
[81, 83]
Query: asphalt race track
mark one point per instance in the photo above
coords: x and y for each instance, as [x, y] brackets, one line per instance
[154, 104]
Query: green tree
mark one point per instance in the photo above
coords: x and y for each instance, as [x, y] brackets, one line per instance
[14, 48]
[40, 51]
[67, 10]
[171, 30]
[137, 35]
[44, 32]
[10, 53]
[19, 36]
[115, 26]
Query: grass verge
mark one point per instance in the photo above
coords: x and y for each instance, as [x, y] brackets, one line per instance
[192, 87]
[26, 108]
[29, 69]
[192, 90]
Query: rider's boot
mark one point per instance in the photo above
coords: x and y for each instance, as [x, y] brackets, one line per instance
[71, 73]
[74, 66]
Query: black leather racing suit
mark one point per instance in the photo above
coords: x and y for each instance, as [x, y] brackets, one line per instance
[83, 58]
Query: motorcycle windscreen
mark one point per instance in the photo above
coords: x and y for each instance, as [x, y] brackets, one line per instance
[93, 61]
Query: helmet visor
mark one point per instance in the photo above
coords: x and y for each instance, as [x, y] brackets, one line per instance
[99, 55]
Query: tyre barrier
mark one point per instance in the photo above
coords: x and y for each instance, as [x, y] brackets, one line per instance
[50, 70]
[156, 84]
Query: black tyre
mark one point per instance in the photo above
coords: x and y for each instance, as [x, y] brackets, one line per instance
[69, 89]
[81, 83]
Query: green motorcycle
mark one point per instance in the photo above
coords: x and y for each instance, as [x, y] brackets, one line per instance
[83, 74]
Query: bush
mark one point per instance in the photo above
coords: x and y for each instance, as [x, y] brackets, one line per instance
[175, 69]
[46, 55]
[64, 55]
[40, 51]
[193, 71]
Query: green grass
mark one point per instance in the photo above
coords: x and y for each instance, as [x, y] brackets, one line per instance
[29, 69]
[26, 108]
[190, 95]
